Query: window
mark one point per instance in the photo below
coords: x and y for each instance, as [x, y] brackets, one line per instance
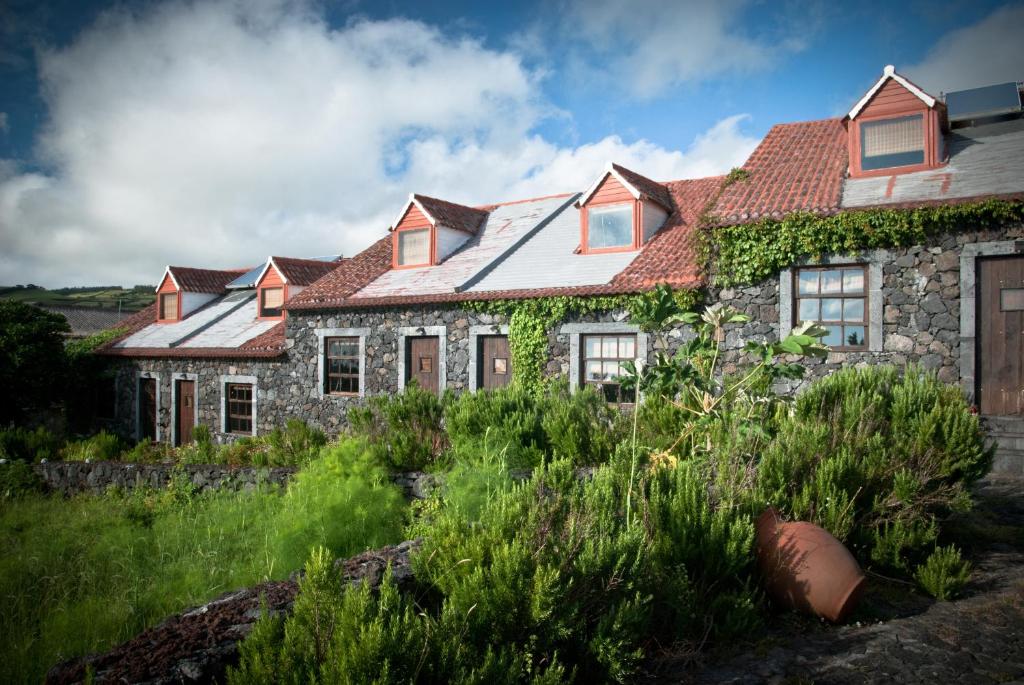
[271, 300]
[892, 142]
[414, 247]
[169, 306]
[342, 377]
[603, 359]
[836, 298]
[239, 413]
[609, 226]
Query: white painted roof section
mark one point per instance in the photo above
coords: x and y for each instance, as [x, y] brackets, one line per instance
[983, 160]
[548, 260]
[226, 322]
[610, 169]
[890, 73]
[506, 225]
[167, 272]
[412, 201]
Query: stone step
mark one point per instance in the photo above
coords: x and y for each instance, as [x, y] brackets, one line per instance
[1007, 432]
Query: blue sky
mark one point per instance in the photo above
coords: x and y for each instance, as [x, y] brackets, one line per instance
[133, 135]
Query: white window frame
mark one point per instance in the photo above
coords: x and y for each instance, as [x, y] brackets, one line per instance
[322, 334]
[224, 381]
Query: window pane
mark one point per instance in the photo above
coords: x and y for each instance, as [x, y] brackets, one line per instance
[593, 347]
[273, 298]
[809, 310]
[611, 369]
[834, 336]
[854, 336]
[609, 347]
[892, 142]
[594, 371]
[853, 280]
[809, 282]
[413, 247]
[831, 281]
[169, 305]
[853, 310]
[627, 348]
[831, 309]
[610, 226]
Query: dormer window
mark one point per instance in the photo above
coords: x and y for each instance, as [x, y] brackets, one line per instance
[622, 211]
[271, 301]
[429, 230]
[895, 128]
[169, 306]
[610, 226]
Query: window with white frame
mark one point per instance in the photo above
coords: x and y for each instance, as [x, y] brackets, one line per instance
[837, 299]
[609, 226]
[603, 364]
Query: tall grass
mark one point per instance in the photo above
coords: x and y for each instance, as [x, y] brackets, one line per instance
[82, 574]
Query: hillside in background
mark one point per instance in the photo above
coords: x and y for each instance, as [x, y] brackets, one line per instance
[100, 297]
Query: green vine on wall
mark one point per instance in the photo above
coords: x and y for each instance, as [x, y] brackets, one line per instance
[749, 253]
[530, 319]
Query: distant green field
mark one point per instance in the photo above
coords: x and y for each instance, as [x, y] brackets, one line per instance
[107, 297]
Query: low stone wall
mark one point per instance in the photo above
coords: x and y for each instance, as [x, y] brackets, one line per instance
[73, 477]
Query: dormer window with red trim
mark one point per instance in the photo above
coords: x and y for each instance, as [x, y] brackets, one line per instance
[283, 278]
[621, 211]
[429, 230]
[271, 301]
[169, 306]
[895, 128]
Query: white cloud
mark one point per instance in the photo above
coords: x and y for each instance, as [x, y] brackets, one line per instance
[213, 134]
[982, 54]
[649, 46]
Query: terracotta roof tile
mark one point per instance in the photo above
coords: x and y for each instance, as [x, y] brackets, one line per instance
[203, 280]
[797, 167]
[303, 271]
[652, 189]
[347, 277]
[460, 217]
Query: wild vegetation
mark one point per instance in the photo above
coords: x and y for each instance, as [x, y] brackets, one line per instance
[104, 297]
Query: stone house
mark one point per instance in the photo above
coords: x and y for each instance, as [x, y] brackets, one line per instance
[241, 353]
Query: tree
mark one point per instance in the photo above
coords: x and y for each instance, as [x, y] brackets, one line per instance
[32, 360]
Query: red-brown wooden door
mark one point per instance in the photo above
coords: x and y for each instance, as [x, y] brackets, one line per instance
[495, 369]
[421, 362]
[186, 410]
[147, 408]
[1001, 336]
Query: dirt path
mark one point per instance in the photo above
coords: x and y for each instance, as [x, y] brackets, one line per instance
[899, 636]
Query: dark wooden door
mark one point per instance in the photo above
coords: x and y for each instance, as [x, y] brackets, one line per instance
[186, 410]
[147, 408]
[421, 362]
[495, 369]
[1001, 336]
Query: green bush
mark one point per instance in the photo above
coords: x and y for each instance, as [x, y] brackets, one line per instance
[103, 446]
[23, 444]
[295, 445]
[146, 451]
[403, 431]
[17, 479]
[944, 574]
[876, 457]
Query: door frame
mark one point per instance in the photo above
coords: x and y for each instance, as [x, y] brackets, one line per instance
[175, 377]
[441, 333]
[474, 349]
[138, 403]
[970, 295]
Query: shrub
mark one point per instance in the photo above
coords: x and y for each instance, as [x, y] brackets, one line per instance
[403, 431]
[146, 451]
[944, 574]
[875, 457]
[100, 447]
[295, 445]
[17, 479]
[32, 361]
[22, 444]
[579, 426]
[506, 421]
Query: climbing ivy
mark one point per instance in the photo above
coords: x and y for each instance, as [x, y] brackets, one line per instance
[749, 253]
[530, 319]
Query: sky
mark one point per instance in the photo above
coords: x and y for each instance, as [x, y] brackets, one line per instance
[134, 135]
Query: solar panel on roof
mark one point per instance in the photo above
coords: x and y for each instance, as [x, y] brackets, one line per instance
[246, 280]
[988, 101]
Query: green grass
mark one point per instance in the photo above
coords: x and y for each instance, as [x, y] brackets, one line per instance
[83, 574]
[106, 297]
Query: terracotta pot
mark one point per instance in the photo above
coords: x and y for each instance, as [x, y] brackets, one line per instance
[807, 569]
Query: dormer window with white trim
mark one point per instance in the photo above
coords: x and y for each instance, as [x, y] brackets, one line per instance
[892, 142]
[610, 226]
[621, 212]
[169, 306]
[429, 230]
[414, 247]
[271, 301]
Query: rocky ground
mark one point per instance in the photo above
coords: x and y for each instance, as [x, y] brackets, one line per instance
[898, 635]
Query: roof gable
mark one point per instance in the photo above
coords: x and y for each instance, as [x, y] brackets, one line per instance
[294, 271]
[637, 185]
[210, 281]
[459, 217]
[889, 73]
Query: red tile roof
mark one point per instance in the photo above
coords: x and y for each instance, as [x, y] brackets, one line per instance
[303, 271]
[652, 189]
[204, 280]
[671, 256]
[350, 276]
[460, 217]
[796, 167]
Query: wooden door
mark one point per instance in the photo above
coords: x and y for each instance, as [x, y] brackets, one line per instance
[421, 362]
[1001, 336]
[147, 408]
[186, 410]
[495, 368]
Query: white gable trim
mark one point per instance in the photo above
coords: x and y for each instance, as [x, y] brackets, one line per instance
[890, 73]
[167, 272]
[597, 184]
[270, 263]
[412, 201]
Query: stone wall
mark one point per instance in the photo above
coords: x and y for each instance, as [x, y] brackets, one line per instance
[74, 477]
